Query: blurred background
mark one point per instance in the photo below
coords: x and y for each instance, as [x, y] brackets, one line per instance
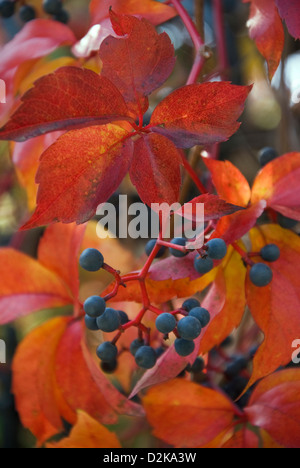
[271, 119]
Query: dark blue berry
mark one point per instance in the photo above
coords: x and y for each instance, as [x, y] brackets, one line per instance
[189, 328]
[159, 351]
[190, 304]
[286, 223]
[52, 6]
[109, 367]
[184, 347]
[236, 366]
[62, 17]
[203, 265]
[94, 306]
[91, 260]
[90, 323]
[216, 249]
[177, 253]
[109, 321]
[7, 8]
[27, 13]
[165, 323]
[135, 345]
[150, 246]
[267, 155]
[270, 253]
[123, 317]
[201, 314]
[197, 367]
[261, 275]
[107, 352]
[145, 357]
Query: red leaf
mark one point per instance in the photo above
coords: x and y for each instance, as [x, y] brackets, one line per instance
[155, 170]
[153, 11]
[279, 320]
[80, 171]
[214, 208]
[59, 251]
[34, 387]
[139, 62]
[185, 414]
[233, 227]
[84, 98]
[28, 286]
[289, 10]
[274, 406]
[278, 184]
[266, 29]
[200, 114]
[75, 369]
[229, 182]
[87, 433]
[243, 438]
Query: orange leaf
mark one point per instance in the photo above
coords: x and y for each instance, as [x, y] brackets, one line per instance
[275, 308]
[230, 284]
[185, 414]
[265, 28]
[88, 433]
[27, 286]
[244, 438]
[278, 184]
[229, 182]
[36, 392]
[275, 407]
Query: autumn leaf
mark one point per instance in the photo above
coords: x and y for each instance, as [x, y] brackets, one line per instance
[87, 433]
[153, 11]
[155, 170]
[200, 114]
[275, 307]
[184, 414]
[289, 11]
[85, 98]
[265, 28]
[243, 438]
[278, 184]
[274, 407]
[28, 286]
[34, 387]
[229, 182]
[149, 57]
[78, 172]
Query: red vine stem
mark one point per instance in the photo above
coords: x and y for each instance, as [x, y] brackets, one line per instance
[220, 38]
[193, 174]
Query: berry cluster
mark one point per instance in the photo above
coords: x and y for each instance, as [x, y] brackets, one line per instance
[100, 317]
[261, 274]
[28, 13]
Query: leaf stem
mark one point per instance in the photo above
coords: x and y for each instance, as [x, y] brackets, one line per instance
[193, 174]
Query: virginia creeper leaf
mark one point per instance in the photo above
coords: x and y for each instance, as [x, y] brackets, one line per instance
[243, 438]
[84, 98]
[78, 172]
[34, 387]
[274, 406]
[184, 414]
[28, 286]
[229, 182]
[265, 28]
[289, 10]
[278, 184]
[200, 114]
[233, 227]
[153, 11]
[138, 62]
[87, 433]
[278, 323]
[155, 170]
